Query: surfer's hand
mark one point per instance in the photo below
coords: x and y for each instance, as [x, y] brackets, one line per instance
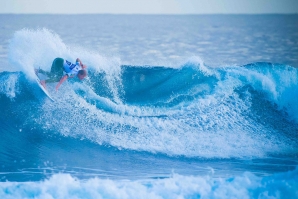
[57, 87]
[61, 81]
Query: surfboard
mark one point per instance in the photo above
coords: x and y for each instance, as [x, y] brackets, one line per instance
[43, 89]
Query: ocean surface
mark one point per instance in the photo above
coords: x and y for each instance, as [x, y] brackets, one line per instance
[174, 106]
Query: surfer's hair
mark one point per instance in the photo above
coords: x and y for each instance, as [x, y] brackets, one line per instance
[82, 72]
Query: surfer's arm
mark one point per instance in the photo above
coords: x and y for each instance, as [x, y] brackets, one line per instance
[81, 63]
[78, 60]
[61, 81]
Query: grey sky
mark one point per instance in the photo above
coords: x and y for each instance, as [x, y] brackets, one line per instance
[149, 6]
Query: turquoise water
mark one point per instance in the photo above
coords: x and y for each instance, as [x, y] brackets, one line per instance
[204, 109]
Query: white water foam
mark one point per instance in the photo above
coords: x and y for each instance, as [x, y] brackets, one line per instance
[283, 185]
[280, 83]
[208, 127]
[9, 85]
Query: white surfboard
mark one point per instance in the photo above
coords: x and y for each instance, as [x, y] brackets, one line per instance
[43, 89]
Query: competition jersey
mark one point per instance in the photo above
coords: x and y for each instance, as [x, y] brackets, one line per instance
[71, 69]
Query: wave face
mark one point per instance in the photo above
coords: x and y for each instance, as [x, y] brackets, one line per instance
[193, 110]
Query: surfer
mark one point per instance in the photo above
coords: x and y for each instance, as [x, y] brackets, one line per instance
[62, 69]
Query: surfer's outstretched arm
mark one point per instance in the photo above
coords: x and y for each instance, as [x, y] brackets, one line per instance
[61, 81]
[78, 60]
[81, 63]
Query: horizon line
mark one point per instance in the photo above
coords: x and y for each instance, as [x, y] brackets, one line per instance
[273, 13]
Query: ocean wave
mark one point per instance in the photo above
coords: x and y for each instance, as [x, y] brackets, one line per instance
[230, 113]
[192, 110]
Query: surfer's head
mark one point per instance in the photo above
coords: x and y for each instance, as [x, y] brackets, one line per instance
[82, 74]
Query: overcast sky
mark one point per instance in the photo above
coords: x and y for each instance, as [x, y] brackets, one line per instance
[149, 6]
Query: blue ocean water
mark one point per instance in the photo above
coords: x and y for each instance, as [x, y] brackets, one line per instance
[197, 106]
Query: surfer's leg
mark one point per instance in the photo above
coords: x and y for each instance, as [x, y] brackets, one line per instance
[57, 66]
[56, 70]
[53, 79]
[43, 72]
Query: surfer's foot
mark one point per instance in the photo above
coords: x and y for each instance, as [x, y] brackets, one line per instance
[43, 83]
